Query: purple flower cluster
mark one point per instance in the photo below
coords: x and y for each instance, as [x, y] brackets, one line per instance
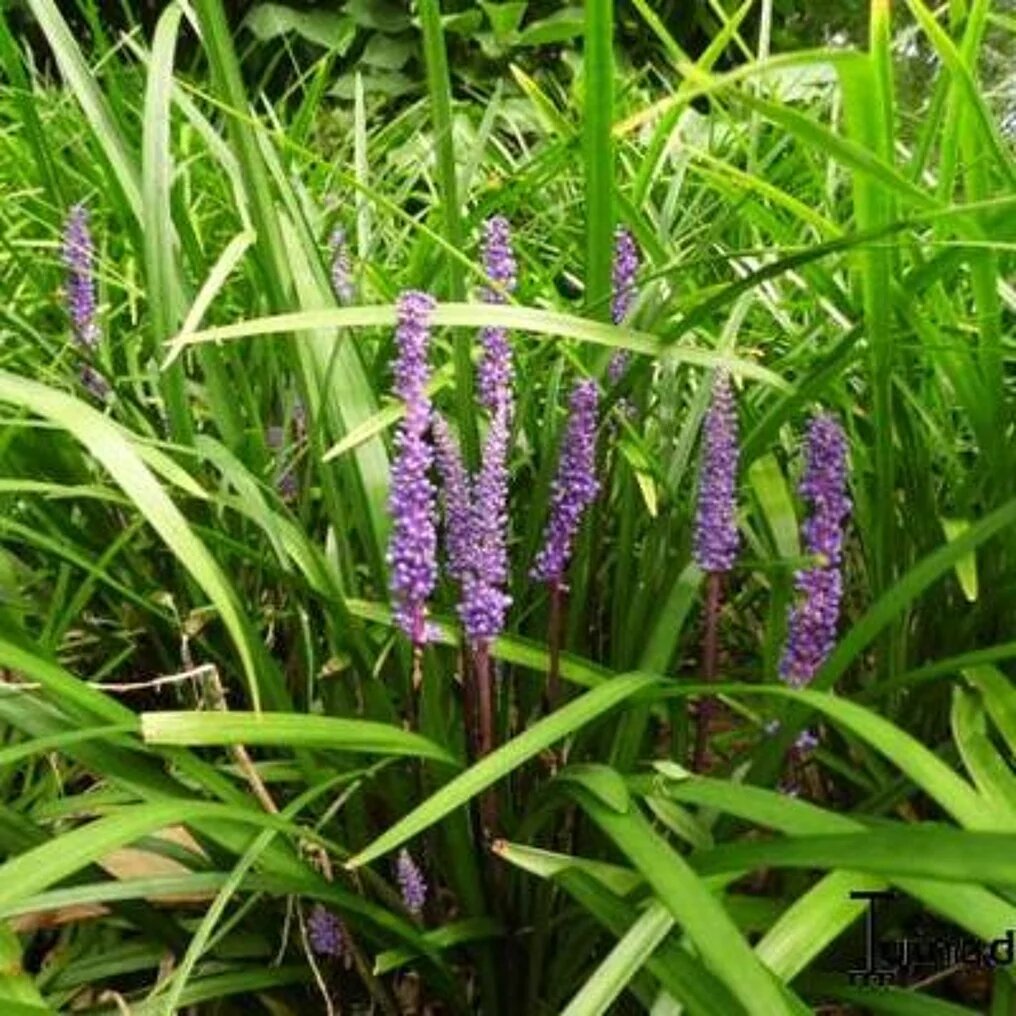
[325, 932]
[456, 500]
[813, 619]
[716, 538]
[484, 600]
[575, 487]
[341, 272]
[495, 371]
[476, 508]
[412, 500]
[78, 256]
[626, 266]
[412, 884]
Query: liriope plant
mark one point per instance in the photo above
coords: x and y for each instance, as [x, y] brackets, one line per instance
[201, 649]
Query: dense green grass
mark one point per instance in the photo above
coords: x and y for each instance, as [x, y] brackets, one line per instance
[813, 232]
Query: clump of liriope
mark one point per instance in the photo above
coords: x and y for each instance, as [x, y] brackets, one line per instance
[78, 258]
[814, 617]
[716, 536]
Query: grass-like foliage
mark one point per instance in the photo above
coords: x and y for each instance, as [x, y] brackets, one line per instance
[524, 543]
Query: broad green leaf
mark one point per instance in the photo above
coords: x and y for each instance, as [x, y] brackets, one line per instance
[466, 315]
[623, 962]
[289, 729]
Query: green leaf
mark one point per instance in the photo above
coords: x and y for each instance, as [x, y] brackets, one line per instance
[381, 14]
[999, 699]
[542, 734]
[386, 52]
[557, 27]
[323, 28]
[623, 962]
[290, 729]
[504, 18]
[770, 487]
[446, 937]
[473, 316]
[917, 851]
[966, 566]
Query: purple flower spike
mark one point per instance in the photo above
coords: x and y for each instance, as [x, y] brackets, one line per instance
[411, 882]
[716, 538]
[78, 255]
[626, 266]
[484, 601]
[575, 486]
[813, 619]
[325, 932]
[495, 372]
[341, 271]
[456, 497]
[412, 549]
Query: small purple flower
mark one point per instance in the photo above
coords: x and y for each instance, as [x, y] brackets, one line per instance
[78, 256]
[814, 617]
[626, 266]
[716, 538]
[807, 741]
[575, 487]
[325, 932]
[341, 271]
[412, 548]
[495, 372]
[456, 499]
[412, 884]
[485, 602]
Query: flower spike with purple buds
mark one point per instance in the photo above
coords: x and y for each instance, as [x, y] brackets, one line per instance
[575, 486]
[716, 538]
[78, 255]
[324, 930]
[484, 601]
[626, 266]
[456, 499]
[341, 272]
[412, 548]
[495, 371]
[813, 619]
[412, 884]
[78, 258]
